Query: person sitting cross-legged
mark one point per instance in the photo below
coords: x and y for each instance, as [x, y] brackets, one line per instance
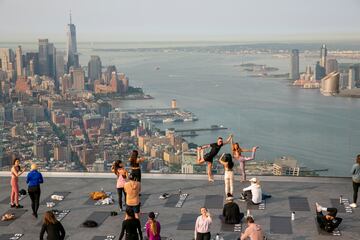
[231, 211]
[253, 193]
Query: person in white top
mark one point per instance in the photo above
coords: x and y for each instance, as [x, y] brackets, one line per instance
[202, 225]
[253, 193]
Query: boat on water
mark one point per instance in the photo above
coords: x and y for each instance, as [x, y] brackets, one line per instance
[168, 120]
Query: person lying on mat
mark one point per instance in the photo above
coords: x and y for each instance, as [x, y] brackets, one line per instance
[231, 211]
[329, 221]
[253, 230]
[253, 193]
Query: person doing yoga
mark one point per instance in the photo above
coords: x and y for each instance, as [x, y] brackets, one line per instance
[237, 150]
[135, 165]
[209, 157]
[329, 221]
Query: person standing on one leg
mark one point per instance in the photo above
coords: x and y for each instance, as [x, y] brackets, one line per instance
[135, 165]
[355, 171]
[209, 157]
[34, 179]
[15, 173]
[242, 159]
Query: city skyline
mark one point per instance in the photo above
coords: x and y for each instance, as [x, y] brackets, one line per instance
[164, 21]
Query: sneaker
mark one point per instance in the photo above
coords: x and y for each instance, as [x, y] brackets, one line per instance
[19, 206]
[12, 205]
[353, 205]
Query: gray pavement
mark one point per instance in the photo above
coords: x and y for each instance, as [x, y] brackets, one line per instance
[303, 227]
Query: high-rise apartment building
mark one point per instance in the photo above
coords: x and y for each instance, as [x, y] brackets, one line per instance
[52, 60]
[60, 64]
[352, 78]
[44, 57]
[19, 62]
[323, 55]
[78, 76]
[32, 63]
[94, 69]
[294, 64]
[319, 71]
[71, 46]
[331, 65]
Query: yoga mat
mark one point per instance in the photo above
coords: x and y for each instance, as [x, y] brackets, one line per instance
[342, 208]
[108, 237]
[260, 206]
[225, 227]
[214, 201]
[17, 212]
[48, 199]
[172, 200]
[280, 225]
[7, 199]
[143, 198]
[12, 236]
[299, 204]
[59, 215]
[336, 232]
[187, 221]
[99, 217]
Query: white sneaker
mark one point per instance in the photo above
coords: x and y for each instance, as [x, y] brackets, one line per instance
[353, 205]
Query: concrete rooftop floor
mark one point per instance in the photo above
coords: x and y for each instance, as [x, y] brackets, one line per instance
[303, 227]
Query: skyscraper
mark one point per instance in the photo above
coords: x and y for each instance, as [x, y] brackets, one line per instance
[60, 64]
[19, 62]
[294, 64]
[331, 66]
[52, 60]
[44, 57]
[94, 69]
[71, 47]
[323, 55]
[352, 77]
[319, 71]
[32, 63]
[78, 77]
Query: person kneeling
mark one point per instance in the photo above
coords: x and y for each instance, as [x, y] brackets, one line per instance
[329, 221]
[231, 211]
[253, 193]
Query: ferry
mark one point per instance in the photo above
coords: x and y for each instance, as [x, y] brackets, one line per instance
[168, 120]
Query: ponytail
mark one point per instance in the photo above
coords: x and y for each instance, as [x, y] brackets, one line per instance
[153, 227]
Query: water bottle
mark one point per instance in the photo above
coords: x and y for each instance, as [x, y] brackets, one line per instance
[248, 213]
[179, 191]
[340, 199]
[217, 237]
[293, 216]
[102, 189]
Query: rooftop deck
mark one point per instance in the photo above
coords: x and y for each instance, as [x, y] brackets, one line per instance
[303, 227]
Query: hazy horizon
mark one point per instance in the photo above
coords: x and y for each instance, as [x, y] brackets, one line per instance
[182, 21]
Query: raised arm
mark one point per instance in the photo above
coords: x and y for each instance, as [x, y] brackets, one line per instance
[205, 146]
[221, 160]
[140, 160]
[17, 174]
[228, 140]
[252, 155]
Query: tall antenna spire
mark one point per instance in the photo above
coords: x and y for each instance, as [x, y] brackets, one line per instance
[70, 17]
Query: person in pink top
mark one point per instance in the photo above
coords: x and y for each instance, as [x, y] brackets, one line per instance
[15, 173]
[153, 228]
[121, 175]
[202, 225]
[237, 150]
[253, 231]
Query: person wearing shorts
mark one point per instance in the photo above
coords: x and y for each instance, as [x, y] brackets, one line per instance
[209, 157]
[132, 189]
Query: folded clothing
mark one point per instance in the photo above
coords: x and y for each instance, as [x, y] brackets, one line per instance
[57, 197]
[7, 217]
[106, 201]
[98, 195]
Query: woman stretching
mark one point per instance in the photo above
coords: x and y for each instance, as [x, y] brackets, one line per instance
[121, 175]
[239, 157]
[135, 165]
[227, 162]
[153, 228]
[15, 173]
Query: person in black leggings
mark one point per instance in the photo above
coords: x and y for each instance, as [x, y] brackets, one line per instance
[355, 171]
[53, 228]
[329, 221]
[135, 165]
[34, 179]
[131, 226]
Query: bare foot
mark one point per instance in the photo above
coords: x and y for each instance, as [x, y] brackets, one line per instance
[318, 207]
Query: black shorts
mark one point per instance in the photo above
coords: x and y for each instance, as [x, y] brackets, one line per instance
[208, 158]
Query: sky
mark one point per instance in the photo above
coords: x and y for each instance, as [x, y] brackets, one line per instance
[181, 20]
